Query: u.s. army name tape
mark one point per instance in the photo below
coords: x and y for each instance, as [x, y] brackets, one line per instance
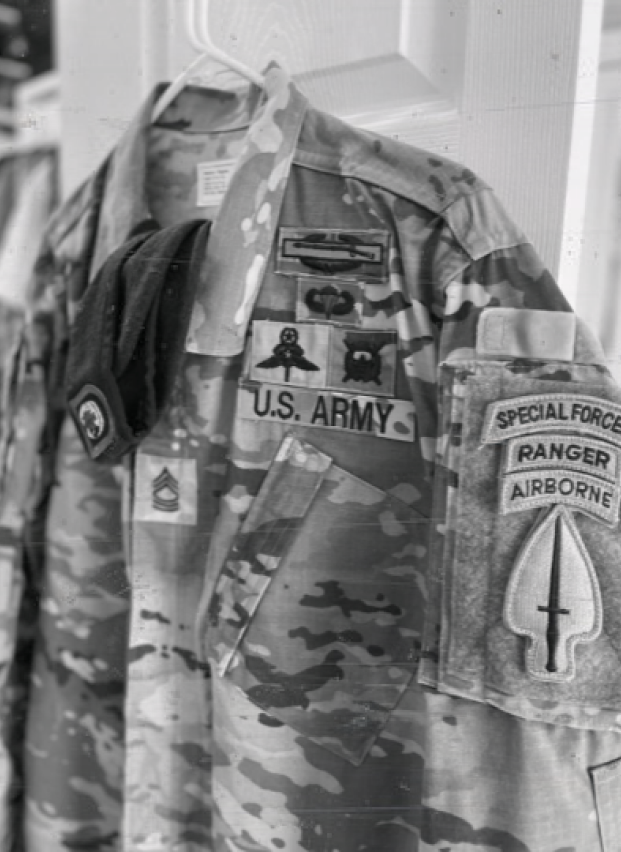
[367, 415]
[552, 412]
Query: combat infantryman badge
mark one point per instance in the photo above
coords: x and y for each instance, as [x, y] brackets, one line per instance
[360, 255]
[332, 253]
[553, 597]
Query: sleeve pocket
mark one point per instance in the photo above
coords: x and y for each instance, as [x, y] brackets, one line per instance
[317, 613]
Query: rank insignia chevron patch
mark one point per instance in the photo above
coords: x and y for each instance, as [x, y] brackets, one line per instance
[166, 492]
[166, 489]
[553, 596]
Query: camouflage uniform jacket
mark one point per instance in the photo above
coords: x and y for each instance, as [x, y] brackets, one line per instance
[319, 627]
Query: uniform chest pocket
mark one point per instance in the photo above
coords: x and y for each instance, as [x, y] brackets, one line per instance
[531, 584]
[318, 611]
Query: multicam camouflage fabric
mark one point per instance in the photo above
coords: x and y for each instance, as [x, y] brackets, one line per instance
[247, 676]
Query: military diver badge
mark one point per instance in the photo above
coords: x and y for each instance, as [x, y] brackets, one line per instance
[562, 452]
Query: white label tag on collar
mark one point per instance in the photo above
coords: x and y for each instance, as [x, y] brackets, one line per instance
[213, 180]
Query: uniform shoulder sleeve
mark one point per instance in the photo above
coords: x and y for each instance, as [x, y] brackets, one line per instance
[499, 268]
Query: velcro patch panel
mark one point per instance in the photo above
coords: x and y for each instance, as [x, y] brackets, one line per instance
[524, 333]
[367, 415]
[324, 357]
[357, 255]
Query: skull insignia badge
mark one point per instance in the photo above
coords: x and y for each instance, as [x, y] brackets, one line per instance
[363, 362]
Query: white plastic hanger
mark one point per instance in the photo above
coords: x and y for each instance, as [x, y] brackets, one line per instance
[200, 39]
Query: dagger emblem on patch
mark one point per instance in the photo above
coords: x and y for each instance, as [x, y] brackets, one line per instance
[553, 597]
[554, 608]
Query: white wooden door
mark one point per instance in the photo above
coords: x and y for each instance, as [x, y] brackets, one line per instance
[506, 86]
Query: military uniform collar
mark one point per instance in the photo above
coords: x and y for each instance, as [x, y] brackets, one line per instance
[244, 231]
[242, 237]
[125, 203]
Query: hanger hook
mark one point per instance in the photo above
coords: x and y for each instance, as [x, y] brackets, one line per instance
[198, 34]
[193, 25]
[198, 25]
[203, 26]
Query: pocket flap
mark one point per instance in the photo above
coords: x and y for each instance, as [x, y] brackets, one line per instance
[319, 608]
[276, 513]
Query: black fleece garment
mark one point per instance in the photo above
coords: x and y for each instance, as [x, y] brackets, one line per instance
[127, 342]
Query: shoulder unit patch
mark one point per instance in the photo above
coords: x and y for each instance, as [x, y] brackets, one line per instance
[553, 597]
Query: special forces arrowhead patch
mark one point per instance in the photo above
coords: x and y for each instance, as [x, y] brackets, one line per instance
[553, 597]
